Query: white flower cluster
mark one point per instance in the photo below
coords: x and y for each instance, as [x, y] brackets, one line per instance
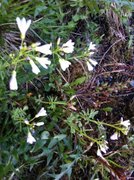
[41, 113]
[125, 129]
[91, 63]
[103, 146]
[67, 47]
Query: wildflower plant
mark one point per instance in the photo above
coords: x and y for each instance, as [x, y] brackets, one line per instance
[25, 53]
[45, 123]
[36, 48]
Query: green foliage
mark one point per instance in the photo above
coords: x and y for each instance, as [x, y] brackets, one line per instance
[66, 134]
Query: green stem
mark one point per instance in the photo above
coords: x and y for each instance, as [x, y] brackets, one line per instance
[86, 136]
[106, 124]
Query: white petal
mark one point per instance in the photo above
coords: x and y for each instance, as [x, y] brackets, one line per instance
[125, 123]
[99, 153]
[104, 146]
[68, 47]
[64, 64]
[30, 138]
[68, 43]
[28, 23]
[45, 49]
[35, 69]
[23, 26]
[114, 136]
[93, 62]
[91, 46]
[42, 112]
[90, 67]
[58, 41]
[13, 82]
[39, 124]
[43, 61]
[26, 122]
[19, 23]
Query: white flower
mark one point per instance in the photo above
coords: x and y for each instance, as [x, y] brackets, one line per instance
[13, 81]
[26, 122]
[45, 49]
[103, 146]
[68, 47]
[35, 69]
[39, 124]
[125, 123]
[91, 46]
[99, 153]
[93, 62]
[42, 112]
[90, 64]
[30, 138]
[23, 26]
[43, 61]
[64, 64]
[115, 136]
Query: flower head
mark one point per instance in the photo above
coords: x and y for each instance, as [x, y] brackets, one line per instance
[93, 62]
[99, 153]
[39, 124]
[91, 46]
[90, 64]
[35, 69]
[126, 126]
[64, 64]
[125, 123]
[30, 138]
[42, 112]
[44, 49]
[103, 146]
[13, 81]
[115, 136]
[43, 61]
[23, 26]
[26, 122]
[68, 47]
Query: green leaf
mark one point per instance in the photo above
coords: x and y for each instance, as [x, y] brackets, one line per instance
[49, 157]
[107, 109]
[52, 143]
[4, 169]
[39, 144]
[60, 137]
[78, 81]
[92, 114]
[66, 169]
